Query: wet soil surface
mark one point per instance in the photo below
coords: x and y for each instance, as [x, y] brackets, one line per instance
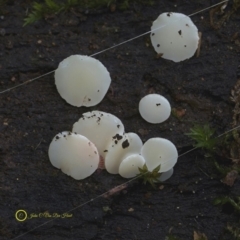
[31, 115]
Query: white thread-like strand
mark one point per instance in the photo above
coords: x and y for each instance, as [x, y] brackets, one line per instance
[107, 49]
[28, 81]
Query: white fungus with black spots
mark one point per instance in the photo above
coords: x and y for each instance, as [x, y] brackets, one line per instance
[119, 148]
[174, 36]
[82, 80]
[100, 128]
[154, 108]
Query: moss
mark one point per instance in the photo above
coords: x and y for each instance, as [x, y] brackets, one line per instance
[54, 7]
[171, 237]
[149, 177]
[203, 137]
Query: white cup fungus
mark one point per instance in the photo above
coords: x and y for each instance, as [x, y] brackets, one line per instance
[154, 108]
[174, 36]
[100, 128]
[82, 80]
[129, 166]
[74, 154]
[120, 148]
[159, 151]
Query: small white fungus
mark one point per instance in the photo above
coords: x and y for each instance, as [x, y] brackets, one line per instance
[174, 36]
[100, 128]
[129, 166]
[82, 80]
[154, 108]
[74, 154]
[166, 175]
[159, 151]
[120, 148]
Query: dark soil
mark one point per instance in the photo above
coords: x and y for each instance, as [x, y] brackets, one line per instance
[31, 115]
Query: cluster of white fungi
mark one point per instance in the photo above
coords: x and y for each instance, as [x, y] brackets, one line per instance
[98, 139]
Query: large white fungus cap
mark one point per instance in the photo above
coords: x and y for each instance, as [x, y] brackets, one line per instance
[159, 151]
[129, 166]
[82, 80]
[154, 108]
[119, 148]
[174, 36]
[74, 154]
[100, 128]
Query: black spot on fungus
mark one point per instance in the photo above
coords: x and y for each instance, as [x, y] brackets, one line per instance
[95, 152]
[116, 141]
[187, 25]
[89, 99]
[64, 135]
[105, 151]
[57, 137]
[69, 133]
[117, 136]
[125, 144]
[101, 114]
[158, 45]
[89, 143]
[180, 32]
[118, 126]
[185, 45]
[158, 104]
[153, 34]
[75, 133]
[169, 14]
[98, 90]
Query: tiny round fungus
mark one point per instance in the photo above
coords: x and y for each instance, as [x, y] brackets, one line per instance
[166, 175]
[129, 144]
[154, 108]
[74, 154]
[100, 128]
[159, 151]
[174, 36]
[82, 80]
[129, 166]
